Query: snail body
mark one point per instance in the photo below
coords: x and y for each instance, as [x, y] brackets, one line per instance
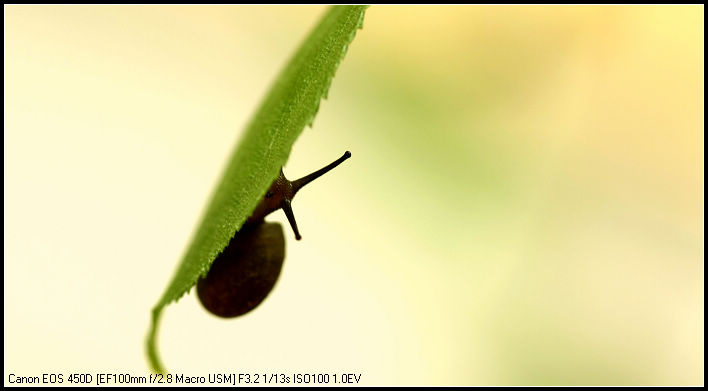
[244, 273]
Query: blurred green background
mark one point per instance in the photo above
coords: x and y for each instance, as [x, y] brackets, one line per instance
[523, 205]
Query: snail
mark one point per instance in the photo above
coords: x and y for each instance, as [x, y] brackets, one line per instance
[244, 273]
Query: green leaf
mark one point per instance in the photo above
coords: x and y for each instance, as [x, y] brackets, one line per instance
[291, 103]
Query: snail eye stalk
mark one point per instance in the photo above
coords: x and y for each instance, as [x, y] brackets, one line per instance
[300, 183]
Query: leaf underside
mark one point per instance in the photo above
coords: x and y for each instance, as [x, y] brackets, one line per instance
[290, 105]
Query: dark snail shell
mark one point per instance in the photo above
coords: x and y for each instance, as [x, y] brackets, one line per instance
[246, 270]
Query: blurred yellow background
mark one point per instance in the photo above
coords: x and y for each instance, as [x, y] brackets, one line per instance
[523, 205]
